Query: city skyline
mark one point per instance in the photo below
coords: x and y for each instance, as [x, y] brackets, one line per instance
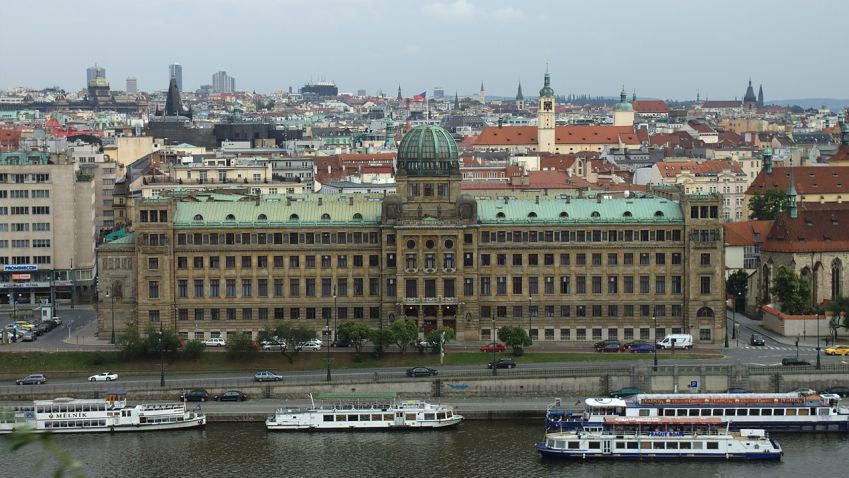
[658, 49]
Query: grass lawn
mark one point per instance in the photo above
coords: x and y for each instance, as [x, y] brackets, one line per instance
[84, 363]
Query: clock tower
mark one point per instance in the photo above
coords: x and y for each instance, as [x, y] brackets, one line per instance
[545, 118]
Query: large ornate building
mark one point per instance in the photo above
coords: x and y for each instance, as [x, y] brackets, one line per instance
[567, 268]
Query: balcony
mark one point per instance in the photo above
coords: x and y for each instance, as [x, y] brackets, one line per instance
[430, 301]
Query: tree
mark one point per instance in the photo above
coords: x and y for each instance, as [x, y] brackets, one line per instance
[793, 292]
[381, 337]
[240, 346]
[767, 205]
[435, 337]
[514, 337]
[158, 341]
[404, 332]
[292, 334]
[737, 285]
[837, 307]
[356, 332]
[131, 343]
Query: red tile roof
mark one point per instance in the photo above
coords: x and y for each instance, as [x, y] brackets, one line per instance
[650, 106]
[701, 128]
[812, 231]
[527, 135]
[671, 169]
[842, 154]
[557, 162]
[747, 233]
[807, 180]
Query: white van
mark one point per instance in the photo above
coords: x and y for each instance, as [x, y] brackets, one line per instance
[679, 341]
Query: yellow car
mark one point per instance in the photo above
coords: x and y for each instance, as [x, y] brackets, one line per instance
[837, 350]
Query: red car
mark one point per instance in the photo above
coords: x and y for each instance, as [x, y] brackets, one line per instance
[494, 347]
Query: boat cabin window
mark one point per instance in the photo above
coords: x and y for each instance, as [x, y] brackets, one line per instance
[353, 418]
[429, 416]
[632, 445]
[766, 411]
[440, 416]
[595, 445]
[706, 412]
[659, 445]
[791, 412]
[694, 412]
[685, 445]
[574, 445]
[328, 418]
[822, 411]
[387, 417]
[755, 412]
[409, 416]
[712, 445]
[697, 445]
[742, 412]
[681, 412]
[668, 412]
[645, 412]
[341, 418]
[717, 412]
[646, 445]
[671, 445]
[730, 412]
[778, 412]
[559, 444]
[803, 411]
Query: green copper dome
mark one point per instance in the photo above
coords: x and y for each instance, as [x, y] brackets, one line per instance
[428, 151]
[547, 90]
[623, 104]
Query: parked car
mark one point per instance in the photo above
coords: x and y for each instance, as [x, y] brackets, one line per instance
[757, 339]
[636, 343]
[313, 344]
[341, 343]
[32, 379]
[421, 344]
[837, 350]
[839, 390]
[421, 372]
[805, 391]
[196, 395]
[502, 363]
[215, 342]
[231, 396]
[737, 390]
[28, 336]
[494, 347]
[273, 345]
[677, 341]
[794, 361]
[41, 329]
[642, 348]
[609, 347]
[103, 377]
[624, 392]
[607, 343]
[267, 376]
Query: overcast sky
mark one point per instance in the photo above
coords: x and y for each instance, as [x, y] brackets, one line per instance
[663, 49]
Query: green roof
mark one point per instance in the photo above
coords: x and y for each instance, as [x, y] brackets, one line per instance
[606, 211]
[428, 151]
[289, 211]
[127, 239]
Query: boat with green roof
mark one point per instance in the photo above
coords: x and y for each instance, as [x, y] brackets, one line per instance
[363, 411]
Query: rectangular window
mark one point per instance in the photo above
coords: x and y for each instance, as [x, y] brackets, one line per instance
[231, 287]
[660, 285]
[628, 259]
[198, 287]
[676, 258]
[580, 285]
[676, 284]
[214, 288]
[517, 285]
[596, 284]
[704, 284]
[153, 289]
[262, 287]
[705, 259]
[612, 284]
[247, 314]
[580, 259]
[644, 284]
[311, 292]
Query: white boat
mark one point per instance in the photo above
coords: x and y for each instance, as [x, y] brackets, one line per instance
[661, 438]
[776, 412]
[111, 414]
[381, 411]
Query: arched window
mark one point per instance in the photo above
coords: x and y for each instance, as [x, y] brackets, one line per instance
[230, 217]
[658, 214]
[294, 217]
[595, 214]
[705, 312]
[197, 217]
[836, 286]
[500, 215]
[532, 214]
[262, 217]
[564, 214]
[358, 216]
[627, 214]
[325, 217]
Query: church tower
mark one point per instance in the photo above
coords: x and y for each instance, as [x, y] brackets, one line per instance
[482, 97]
[761, 96]
[623, 112]
[546, 141]
[520, 98]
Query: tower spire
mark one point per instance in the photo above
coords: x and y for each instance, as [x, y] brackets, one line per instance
[791, 197]
[456, 100]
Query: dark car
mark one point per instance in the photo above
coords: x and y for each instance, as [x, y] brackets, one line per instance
[636, 343]
[42, 328]
[737, 390]
[341, 343]
[196, 395]
[794, 361]
[757, 339]
[32, 379]
[231, 396]
[624, 392]
[842, 391]
[421, 372]
[642, 348]
[502, 363]
[607, 344]
[609, 347]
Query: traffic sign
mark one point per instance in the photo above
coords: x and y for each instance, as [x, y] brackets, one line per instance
[694, 383]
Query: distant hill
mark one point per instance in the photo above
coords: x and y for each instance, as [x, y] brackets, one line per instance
[833, 104]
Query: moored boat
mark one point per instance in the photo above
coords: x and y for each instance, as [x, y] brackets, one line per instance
[777, 412]
[660, 438]
[110, 414]
[376, 411]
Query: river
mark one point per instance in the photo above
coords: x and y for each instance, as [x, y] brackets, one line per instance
[474, 449]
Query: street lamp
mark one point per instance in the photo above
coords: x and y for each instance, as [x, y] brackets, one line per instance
[111, 296]
[726, 332]
[327, 328]
[335, 316]
[494, 341]
[818, 340]
[654, 319]
[161, 358]
[734, 318]
[529, 318]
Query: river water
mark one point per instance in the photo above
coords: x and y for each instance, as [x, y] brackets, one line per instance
[474, 449]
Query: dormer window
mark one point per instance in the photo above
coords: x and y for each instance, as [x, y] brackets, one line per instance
[230, 217]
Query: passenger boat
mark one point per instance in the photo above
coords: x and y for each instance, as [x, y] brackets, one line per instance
[69, 415]
[777, 412]
[382, 411]
[660, 438]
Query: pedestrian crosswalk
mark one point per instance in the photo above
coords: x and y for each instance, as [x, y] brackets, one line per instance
[776, 347]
